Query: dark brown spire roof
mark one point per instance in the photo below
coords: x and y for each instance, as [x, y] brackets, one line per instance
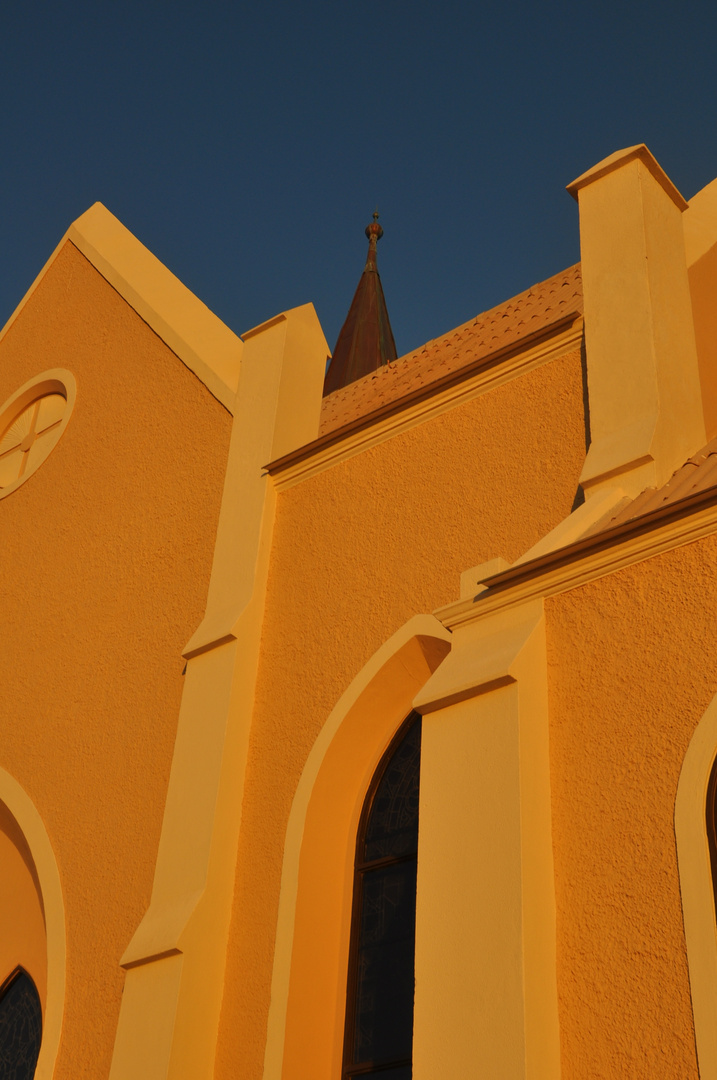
[366, 340]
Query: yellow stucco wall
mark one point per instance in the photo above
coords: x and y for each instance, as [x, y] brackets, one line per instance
[358, 550]
[106, 557]
[632, 671]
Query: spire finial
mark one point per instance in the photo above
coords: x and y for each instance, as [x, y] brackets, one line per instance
[374, 232]
[365, 342]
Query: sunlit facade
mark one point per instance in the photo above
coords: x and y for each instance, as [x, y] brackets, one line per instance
[367, 727]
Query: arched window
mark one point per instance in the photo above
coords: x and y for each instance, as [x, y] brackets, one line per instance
[20, 1027]
[712, 825]
[696, 836]
[379, 1013]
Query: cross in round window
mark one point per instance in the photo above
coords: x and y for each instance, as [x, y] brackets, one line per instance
[30, 436]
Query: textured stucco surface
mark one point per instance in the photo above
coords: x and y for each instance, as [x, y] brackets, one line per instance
[106, 557]
[632, 671]
[358, 550]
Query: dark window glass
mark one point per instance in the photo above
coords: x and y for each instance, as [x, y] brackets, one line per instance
[20, 1028]
[392, 826]
[712, 825]
[379, 1018]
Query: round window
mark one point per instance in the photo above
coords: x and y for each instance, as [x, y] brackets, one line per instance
[31, 423]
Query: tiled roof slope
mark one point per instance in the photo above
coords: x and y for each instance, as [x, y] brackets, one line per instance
[502, 326]
[697, 474]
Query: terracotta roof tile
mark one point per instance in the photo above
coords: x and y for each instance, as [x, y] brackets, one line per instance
[502, 326]
[697, 474]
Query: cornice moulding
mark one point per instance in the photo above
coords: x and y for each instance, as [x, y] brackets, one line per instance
[429, 401]
[586, 560]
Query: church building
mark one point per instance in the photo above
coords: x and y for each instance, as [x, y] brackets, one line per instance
[358, 721]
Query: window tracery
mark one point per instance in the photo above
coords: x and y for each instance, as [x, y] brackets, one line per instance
[20, 1027]
[379, 1018]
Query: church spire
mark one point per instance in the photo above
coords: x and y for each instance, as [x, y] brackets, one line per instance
[365, 342]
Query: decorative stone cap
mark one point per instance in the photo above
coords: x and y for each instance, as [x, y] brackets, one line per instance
[622, 157]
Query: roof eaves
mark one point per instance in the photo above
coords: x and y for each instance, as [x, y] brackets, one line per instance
[479, 337]
[452, 378]
[608, 537]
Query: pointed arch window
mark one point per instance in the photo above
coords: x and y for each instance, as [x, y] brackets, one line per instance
[20, 1027]
[712, 826]
[379, 1017]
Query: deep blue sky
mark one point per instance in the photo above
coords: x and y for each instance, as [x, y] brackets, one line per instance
[247, 144]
